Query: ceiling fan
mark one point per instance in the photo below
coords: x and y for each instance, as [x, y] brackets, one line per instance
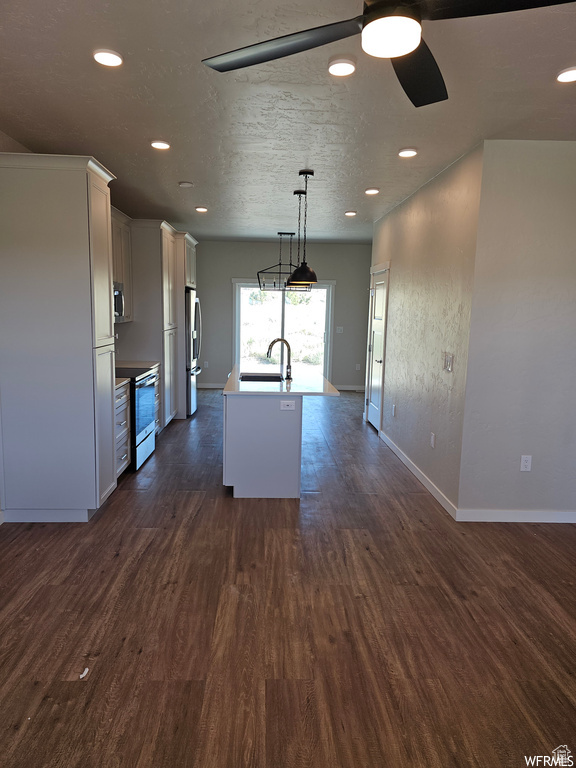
[390, 29]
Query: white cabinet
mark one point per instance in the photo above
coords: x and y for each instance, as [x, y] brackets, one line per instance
[158, 277]
[169, 298]
[170, 375]
[122, 258]
[104, 386]
[122, 426]
[189, 258]
[57, 361]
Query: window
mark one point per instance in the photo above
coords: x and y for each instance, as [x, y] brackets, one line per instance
[302, 318]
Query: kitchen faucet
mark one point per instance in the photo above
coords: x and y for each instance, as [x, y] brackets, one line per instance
[288, 365]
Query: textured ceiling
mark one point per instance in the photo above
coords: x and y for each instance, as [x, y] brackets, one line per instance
[242, 137]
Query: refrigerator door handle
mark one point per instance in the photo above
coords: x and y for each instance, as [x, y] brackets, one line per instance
[198, 328]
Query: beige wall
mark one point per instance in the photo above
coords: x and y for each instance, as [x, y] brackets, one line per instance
[218, 262]
[430, 241]
[522, 369]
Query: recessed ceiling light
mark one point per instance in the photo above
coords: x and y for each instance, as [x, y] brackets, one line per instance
[391, 36]
[201, 209]
[339, 66]
[350, 213]
[107, 58]
[371, 191]
[160, 144]
[185, 184]
[408, 152]
[567, 75]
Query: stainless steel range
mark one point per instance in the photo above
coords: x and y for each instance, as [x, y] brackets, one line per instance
[143, 385]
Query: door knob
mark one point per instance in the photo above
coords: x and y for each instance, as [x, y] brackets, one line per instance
[378, 361]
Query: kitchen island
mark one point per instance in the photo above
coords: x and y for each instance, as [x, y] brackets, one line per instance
[263, 433]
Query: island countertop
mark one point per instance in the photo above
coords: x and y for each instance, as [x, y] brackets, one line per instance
[300, 384]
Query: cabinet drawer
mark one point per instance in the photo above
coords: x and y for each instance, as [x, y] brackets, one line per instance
[121, 420]
[122, 395]
[122, 455]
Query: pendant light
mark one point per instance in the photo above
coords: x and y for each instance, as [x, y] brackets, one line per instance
[303, 275]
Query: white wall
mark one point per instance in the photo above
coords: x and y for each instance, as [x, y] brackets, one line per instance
[430, 241]
[348, 264]
[522, 369]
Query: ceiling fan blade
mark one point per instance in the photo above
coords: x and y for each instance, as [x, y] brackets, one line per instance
[285, 46]
[420, 76]
[454, 9]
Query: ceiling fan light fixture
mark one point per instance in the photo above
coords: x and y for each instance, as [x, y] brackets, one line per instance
[391, 36]
[567, 75]
[107, 58]
[341, 66]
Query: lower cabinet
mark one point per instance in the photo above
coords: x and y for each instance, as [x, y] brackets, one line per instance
[122, 426]
[104, 384]
[170, 375]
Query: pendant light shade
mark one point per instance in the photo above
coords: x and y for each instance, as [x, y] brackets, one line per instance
[302, 275]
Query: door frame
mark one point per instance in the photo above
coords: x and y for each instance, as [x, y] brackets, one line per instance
[376, 271]
[329, 285]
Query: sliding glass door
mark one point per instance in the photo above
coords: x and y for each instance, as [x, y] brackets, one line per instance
[302, 318]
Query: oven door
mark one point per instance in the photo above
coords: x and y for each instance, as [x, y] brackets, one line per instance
[144, 407]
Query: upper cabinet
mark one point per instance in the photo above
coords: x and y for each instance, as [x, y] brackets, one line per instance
[122, 259]
[190, 245]
[169, 298]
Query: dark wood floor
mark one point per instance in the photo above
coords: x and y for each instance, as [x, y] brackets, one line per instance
[359, 627]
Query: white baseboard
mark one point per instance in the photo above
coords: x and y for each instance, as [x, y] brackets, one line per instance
[482, 515]
[516, 515]
[48, 515]
[1, 517]
[424, 479]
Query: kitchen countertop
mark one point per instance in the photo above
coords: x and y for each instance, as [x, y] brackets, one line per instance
[136, 363]
[301, 384]
[121, 381]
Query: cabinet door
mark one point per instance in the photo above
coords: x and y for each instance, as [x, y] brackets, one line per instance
[104, 401]
[101, 261]
[127, 271]
[117, 258]
[168, 280]
[190, 265]
[170, 375]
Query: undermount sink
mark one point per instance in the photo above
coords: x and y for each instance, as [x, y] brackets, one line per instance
[261, 377]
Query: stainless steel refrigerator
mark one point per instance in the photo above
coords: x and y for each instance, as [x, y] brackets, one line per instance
[193, 347]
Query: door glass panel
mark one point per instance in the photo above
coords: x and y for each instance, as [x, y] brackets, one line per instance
[305, 327]
[260, 323]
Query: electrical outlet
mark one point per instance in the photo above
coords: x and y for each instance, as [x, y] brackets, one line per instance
[339, 329]
[205, 363]
[287, 405]
[525, 463]
[432, 440]
[394, 409]
[357, 366]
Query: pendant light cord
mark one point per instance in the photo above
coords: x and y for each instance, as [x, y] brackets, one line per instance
[305, 217]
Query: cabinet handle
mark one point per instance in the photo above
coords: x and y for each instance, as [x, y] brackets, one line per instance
[157, 421]
[124, 457]
[121, 423]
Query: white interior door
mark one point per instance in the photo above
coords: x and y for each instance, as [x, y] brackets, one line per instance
[376, 349]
